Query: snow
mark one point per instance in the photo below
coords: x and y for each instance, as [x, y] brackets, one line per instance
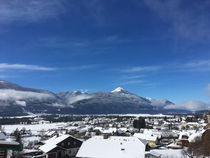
[170, 153]
[119, 89]
[112, 147]
[27, 140]
[154, 153]
[174, 145]
[9, 142]
[35, 129]
[22, 103]
[146, 115]
[148, 137]
[109, 130]
[52, 143]
[2, 136]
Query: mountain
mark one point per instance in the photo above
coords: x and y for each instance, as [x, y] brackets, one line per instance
[113, 102]
[18, 100]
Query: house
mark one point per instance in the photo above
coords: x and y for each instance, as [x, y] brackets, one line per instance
[170, 153]
[6, 145]
[207, 126]
[61, 146]
[152, 154]
[151, 139]
[174, 145]
[183, 139]
[112, 147]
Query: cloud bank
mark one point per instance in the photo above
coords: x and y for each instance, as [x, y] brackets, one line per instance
[9, 94]
[191, 105]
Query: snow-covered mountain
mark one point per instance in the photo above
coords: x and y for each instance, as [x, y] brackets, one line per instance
[18, 100]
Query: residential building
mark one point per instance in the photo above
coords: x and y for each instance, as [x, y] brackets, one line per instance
[112, 147]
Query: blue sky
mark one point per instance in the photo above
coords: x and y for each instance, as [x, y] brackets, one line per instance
[155, 48]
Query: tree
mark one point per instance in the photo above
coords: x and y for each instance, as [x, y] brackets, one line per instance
[140, 123]
[17, 136]
[201, 145]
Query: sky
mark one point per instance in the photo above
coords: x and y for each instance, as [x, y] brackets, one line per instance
[154, 48]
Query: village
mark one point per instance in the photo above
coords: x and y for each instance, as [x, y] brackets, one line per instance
[107, 136]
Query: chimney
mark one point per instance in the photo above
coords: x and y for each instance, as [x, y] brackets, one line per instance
[106, 136]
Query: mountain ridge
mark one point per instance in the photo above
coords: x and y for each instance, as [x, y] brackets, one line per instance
[20, 99]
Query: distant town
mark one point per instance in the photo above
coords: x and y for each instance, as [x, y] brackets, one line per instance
[106, 136]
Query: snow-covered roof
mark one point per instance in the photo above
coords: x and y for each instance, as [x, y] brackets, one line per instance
[8, 143]
[178, 153]
[156, 154]
[109, 130]
[148, 137]
[2, 136]
[195, 134]
[173, 145]
[52, 143]
[112, 147]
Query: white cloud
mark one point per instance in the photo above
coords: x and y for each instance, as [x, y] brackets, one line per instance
[141, 69]
[74, 99]
[157, 102]
[6, 66]
[191, 105]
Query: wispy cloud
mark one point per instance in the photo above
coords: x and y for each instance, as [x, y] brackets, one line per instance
[208, 89]
[189, 66]
[140, 69]
[6, 66]
[55, 42]
[130, 77]
[187, 21]
[29, 10]
[198, 65]
[5, 76]
[131, 82]
[78, 43]
[82, 67]
[36, 10]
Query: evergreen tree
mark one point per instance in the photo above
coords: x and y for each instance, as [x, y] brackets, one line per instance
[140, 123]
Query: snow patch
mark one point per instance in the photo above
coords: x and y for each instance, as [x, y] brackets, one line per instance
[22, 103]
[119, 89]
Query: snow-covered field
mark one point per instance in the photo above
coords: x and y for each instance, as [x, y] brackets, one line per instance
[35, 129]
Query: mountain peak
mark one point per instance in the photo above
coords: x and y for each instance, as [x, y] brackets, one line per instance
[119, 89]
